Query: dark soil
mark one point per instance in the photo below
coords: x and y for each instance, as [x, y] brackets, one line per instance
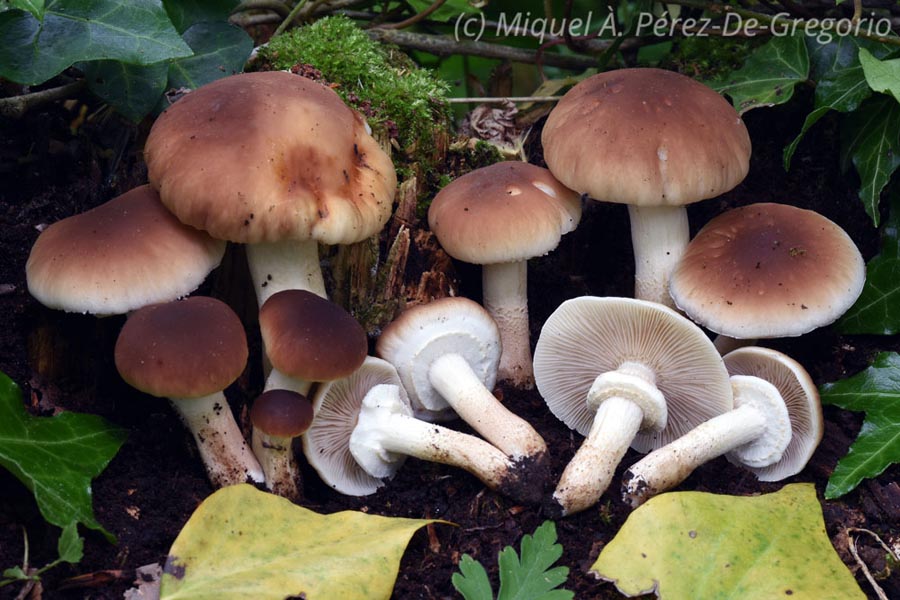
[62, 361]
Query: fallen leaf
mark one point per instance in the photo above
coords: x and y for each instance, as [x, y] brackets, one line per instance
[699, 545]
[244, 543]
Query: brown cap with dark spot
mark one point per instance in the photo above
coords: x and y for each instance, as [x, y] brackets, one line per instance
[311, 338]
[505, 212]
[646, 137]
[261, 157]
[768, 270]
[119, 256]
[184, 349]
[281, 413]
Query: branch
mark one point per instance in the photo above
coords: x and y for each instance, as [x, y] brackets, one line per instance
[274, 5]
[16, 106]
[415, 18]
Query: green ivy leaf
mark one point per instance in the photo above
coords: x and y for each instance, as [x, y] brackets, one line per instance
[35, 7]
[882, 75]
[220, 49]
[56, 457]
[876, 391]
[132, 31]
[768, 76]
[133, 90]
[870, 139]
[185, 13]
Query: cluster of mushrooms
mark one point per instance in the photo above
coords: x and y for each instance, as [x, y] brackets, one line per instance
[280, 164]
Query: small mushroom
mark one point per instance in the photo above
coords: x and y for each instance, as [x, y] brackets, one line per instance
[446, 353]
[279, 416]
[364, 430]
[622, 371]
[189, 351]
[501, 216]
[772, 431]
[767, 270]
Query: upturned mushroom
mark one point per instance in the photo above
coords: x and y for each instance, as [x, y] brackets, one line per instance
[773, 430]
[279, 416]
[499, 217]
[189, 351]
[446, 353]
[656, 141]
[364, 430]
[275, 161]
[622, 371]
[767, 270]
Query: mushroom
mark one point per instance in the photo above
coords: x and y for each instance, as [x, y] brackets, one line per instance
[767, 270]
[446, 353]
[189, 351]
[622, 371]
[117, 257]
[499, 217]
[364, 430]
[652, 139]
[309, 338]
[772, 431]
[279, 416]
[276, 161]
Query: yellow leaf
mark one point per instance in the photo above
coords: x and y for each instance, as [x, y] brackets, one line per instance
[702, 546]
[244, 543]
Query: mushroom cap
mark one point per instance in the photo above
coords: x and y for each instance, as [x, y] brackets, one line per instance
[646, 137]
[326, 443]
[311, 338]
[588, 336]
[122, 255]
[768, 270]
[184, 349]
[261, 157]
[281, 413]
[800, 396]
[426, 332]
[506, 212]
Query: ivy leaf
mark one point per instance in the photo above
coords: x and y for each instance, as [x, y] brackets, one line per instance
[133, 90]
[882, 75]
[768, 76]
[35, 7]
[131, 31]
[876, 391]
[56, 457]
[185, 13]
[870, 139]
[700, 545]
[220, 49]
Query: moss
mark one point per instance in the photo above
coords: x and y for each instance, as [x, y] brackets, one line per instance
[400, 100]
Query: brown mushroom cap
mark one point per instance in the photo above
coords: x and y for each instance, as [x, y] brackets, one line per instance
[185, 349]
[119, 256]
[505, 212]
[281, 413]
[261, 157]
[311, 338]
[646, 137]
[768, 270]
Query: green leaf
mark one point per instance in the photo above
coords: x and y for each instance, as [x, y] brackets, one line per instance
[768, 76]
[131, 31]
[870, 138]
[243, 543]
[35, 7]
[876, 391]
[449, 10]
[70, 545]
[185, 13]
[472, 580]
[220, 49]
[56, 457]
[15, 573]
[133, 90]
[699, 545]
[877, 310]
[882, 75]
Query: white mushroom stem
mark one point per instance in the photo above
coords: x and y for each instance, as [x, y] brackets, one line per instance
[453, 378]
[285, 265]
[224, 451]
[626, 401]
[659, 236]
[384, 429]
[757, 432]
[505, 297]
[279, 381]
[277, 461]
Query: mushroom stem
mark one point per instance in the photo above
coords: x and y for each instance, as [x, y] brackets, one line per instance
[276, 458]
[668, 466]
[453, 378]
[590, 471]
[725, 344]
[285, 265]
[279, 381]
[224, 451]
[659, 235]
[505, 296]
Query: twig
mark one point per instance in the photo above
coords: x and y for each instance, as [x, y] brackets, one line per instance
[862, 565]
[273, 5]
[497, 99]
[245, 20]
[16, 106]
[289, 19]
[416, 17]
